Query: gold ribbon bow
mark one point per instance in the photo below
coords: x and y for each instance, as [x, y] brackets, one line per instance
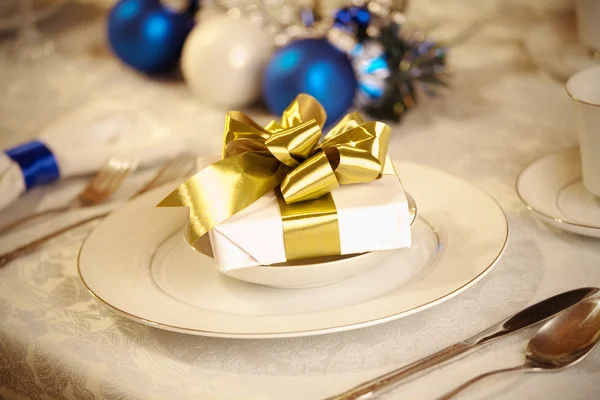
[287, 155]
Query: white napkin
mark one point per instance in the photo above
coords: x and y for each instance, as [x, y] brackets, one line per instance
[83, 141]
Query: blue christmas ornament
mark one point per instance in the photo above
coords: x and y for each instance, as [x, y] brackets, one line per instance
[311, 66]
[148, 36]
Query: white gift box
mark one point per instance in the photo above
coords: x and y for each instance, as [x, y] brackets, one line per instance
[371, 216]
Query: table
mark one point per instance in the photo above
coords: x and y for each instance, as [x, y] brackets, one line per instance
[502, 112]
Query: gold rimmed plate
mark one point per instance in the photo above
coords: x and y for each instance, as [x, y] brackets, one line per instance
[551, 187]
[138, 263]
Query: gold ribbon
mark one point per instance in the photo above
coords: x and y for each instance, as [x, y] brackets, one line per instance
[310, 228]
[287, 155]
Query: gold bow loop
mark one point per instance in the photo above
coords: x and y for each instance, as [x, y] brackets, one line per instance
[288, 154]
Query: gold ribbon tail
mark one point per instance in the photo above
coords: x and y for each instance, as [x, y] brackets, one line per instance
[225, 188]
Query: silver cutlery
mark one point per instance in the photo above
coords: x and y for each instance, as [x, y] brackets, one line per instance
[526, 318]
[107, 181]
[561, 342]
[180, 167]
[172, 170]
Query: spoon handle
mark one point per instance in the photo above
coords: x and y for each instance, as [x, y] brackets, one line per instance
[465, 385]
[384, 383]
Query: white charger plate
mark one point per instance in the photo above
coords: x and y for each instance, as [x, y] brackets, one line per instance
[552, 188]
[137, 262]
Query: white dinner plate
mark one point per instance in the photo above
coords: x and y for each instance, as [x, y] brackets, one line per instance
[552, 188]
[136, 262]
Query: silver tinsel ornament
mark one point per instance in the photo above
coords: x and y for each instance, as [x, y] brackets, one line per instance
[284, 19]
[394, 64]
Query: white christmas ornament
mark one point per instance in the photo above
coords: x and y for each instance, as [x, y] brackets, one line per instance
[223, 60]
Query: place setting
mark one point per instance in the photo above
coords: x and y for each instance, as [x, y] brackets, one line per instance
[299, 228]
[361, 231]
[254, 280]
[246, 247]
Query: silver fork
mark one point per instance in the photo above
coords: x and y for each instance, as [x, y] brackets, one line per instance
[97, 191]
[172, 170]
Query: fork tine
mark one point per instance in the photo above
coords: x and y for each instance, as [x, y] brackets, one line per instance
[107, 181]
[168, 176]
[117, 181]
[148, 185]
[169, 168]
[103, 173]
[107, 173]
[126, 168]
[89, 194]
[164, 175]
[177, 170]
[174, 169]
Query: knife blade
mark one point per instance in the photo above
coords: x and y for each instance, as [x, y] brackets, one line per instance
[523, 319]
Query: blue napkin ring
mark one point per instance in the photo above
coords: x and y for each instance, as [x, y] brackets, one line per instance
[37, 163]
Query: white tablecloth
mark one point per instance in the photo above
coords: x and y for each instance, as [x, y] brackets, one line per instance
[502, 112]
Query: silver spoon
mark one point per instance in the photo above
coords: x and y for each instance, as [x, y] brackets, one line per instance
[561, 342]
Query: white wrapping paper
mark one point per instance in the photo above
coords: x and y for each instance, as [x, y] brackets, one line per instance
[371, 217]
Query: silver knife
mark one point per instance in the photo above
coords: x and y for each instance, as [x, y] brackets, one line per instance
[526, 318]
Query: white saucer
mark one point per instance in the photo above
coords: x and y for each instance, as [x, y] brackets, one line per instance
[10, 18]
[552, 188]
[554, 47]
[128, 263]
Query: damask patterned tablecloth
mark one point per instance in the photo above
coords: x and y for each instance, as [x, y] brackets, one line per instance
[57, 342]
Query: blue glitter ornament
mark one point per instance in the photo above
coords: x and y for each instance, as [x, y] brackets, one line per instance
[415, 66]
[395, 67]
[354, 20]
[148, 36]
[372, 71]
[311, 66]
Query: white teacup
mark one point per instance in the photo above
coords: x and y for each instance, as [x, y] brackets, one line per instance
[584, 88]
[588, 23]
